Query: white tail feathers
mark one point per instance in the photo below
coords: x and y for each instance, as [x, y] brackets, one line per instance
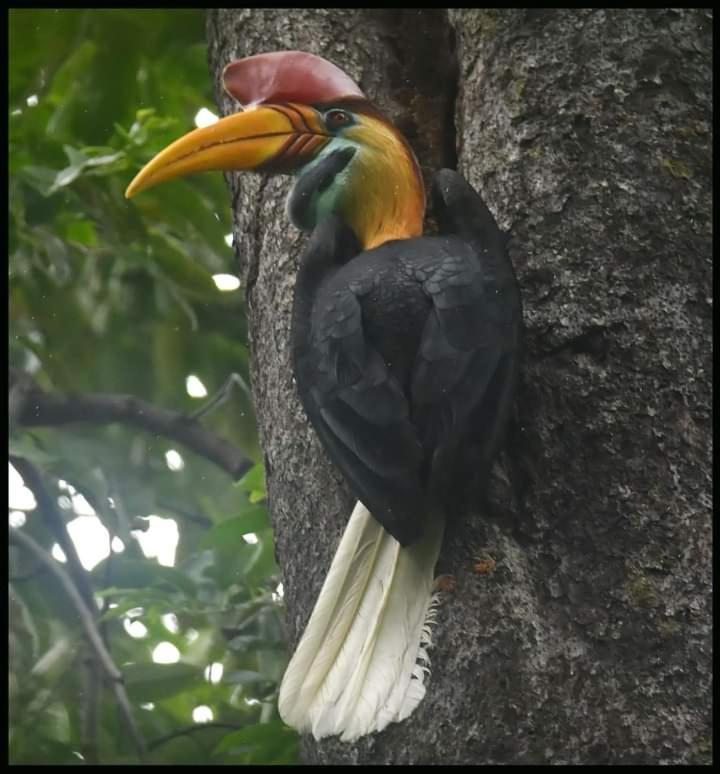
[362, 660]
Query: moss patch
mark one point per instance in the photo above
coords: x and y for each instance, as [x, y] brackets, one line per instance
[640, 591]
[676, 168]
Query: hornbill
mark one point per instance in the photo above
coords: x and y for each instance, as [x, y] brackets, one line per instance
[405, 352]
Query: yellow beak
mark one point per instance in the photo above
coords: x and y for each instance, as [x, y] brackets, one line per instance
[276, 138]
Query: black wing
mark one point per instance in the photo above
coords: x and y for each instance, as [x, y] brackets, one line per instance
[394, 442]
[355, 404]
[466, 366]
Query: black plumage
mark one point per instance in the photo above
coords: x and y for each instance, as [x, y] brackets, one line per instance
[406, 356]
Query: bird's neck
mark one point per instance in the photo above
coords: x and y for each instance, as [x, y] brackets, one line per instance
[384, 197]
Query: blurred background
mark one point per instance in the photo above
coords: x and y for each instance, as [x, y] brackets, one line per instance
[171, 558]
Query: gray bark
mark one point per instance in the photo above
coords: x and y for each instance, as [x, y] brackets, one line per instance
[588, 132]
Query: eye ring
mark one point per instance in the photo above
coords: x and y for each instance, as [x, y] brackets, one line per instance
[336, 118]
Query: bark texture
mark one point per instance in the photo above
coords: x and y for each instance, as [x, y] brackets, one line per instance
[580, 630]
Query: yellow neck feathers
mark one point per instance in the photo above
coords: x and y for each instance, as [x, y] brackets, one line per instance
[385, 198]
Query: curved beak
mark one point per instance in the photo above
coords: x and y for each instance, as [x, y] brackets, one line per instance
[276, 138]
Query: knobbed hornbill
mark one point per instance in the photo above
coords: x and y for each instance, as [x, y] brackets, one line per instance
[405, 350]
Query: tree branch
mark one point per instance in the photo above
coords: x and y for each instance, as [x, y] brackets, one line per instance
[19, 389]
[195, 518]
[47, 505]
[221, 396]
[188, 730]
[90, 728]
[18, 537]
[33, 407]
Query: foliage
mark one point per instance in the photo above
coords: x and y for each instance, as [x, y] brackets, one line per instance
[113, 296]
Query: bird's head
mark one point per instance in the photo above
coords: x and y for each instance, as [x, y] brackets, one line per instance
[304, 116]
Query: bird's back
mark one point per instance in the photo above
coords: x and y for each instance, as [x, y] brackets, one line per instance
[413, 331]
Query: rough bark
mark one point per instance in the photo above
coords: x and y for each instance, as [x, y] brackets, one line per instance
[588, 132]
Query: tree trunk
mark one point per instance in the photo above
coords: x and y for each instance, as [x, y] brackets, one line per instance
[584, 633]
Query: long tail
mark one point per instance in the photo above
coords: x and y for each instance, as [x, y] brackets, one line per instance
[362, 660]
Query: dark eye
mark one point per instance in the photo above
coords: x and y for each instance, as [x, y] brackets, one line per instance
[336, 119]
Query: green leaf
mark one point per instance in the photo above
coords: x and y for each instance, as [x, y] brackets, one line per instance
[184, 750]
[150, 682]
[253, 481]
[263, 565]
[135, 573]
[82, 232]
[171, 256]
[33, 747]
[40, 178]
[246, 643]
[244, 677]
[260, 743]
[80, 162]
[56, 658]
[129, 598]
[57, 722]
[228, 535]
[26, 445]
[73, 71]
[106, 160]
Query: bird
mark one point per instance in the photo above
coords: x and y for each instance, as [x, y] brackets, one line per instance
[406, 354]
